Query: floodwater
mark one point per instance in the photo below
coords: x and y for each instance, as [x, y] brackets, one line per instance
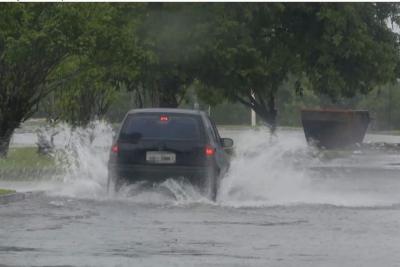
[283, 203]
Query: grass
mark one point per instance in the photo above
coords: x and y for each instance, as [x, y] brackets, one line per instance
[392, 132]
[6, 191]
[25, 158]
[24, 163]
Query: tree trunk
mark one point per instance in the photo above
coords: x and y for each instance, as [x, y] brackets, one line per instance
[168, 101]
[168, 89]
[7, 126]
[265, 108]
[5, 138]
[269, 116]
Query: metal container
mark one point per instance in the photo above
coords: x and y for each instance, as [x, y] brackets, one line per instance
[334, 128]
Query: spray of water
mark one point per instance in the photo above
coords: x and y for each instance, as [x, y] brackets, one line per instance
[266, 170]
[284, 170]
[81, 154]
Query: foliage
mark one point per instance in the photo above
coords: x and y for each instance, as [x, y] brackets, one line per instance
[108, 65]
[336, 49]
[262, 55]
[124, 101]
[166, 36]
[289, 103]
[347, 48]
[117, 50]
[82, 99]
[35, 38]
[238, 58]
[383, 102]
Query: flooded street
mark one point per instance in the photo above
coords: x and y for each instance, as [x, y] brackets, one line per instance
[199, 133]
[283, 203]
[55, 231]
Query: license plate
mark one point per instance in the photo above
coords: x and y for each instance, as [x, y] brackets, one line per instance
[163, 157]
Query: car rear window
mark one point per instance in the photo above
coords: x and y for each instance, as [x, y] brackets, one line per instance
[161, 126]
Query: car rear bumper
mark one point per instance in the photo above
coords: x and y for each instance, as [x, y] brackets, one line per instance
[158, 173]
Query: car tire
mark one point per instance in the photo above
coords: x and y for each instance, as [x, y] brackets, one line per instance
[213, 184]
[114, 183]
[110, 184]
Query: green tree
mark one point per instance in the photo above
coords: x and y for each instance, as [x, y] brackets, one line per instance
[383, 103]
[166, 34]
[119, 52]
[347, 48]
[80, 100]
[35, 39]
[110, 64]
[337, 49]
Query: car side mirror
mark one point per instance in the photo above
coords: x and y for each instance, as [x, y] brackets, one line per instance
[227, 142]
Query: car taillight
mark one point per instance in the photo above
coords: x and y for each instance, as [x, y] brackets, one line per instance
[164, 118]
[115, 148]
[210, 151]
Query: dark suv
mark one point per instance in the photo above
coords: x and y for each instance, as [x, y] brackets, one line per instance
[159, 143]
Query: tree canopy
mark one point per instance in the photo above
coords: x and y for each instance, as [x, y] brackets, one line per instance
[81, 54]
[337, 49]
[36, 40]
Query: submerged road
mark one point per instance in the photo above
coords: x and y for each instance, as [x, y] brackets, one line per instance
[60, 231]
[282, 204]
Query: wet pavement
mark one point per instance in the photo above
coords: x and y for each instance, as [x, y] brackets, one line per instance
[282, 204]
[59, 231]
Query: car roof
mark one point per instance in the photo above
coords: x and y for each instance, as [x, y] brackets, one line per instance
[167, 110]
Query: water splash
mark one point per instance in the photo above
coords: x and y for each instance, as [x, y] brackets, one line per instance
[284, 170]
[171, 191]
[267, 170]
[82, 155]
